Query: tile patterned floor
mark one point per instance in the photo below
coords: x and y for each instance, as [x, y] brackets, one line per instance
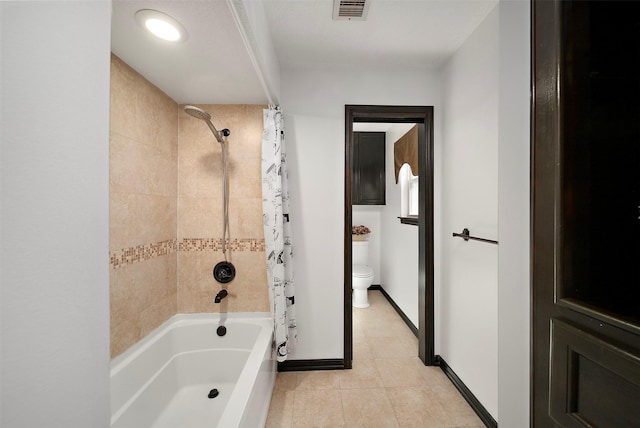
[387, 387]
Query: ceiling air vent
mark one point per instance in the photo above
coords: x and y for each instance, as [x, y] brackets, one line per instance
[355, 10]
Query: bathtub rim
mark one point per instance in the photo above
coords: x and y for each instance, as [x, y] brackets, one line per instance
[122, 360]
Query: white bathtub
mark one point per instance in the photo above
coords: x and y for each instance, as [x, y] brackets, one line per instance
[164, 380]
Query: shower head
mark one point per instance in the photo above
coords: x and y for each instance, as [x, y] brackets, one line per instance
[198, 113]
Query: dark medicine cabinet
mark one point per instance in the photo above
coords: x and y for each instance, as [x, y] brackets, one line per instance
[368, 178]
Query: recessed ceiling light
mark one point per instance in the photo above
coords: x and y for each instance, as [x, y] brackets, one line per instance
[161, 25]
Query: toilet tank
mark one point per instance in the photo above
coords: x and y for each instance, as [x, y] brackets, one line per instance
[360, 253]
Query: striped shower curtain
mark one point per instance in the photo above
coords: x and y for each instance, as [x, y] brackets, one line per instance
[277, 232]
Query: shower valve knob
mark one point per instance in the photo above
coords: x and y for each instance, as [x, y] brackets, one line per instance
[224, 272]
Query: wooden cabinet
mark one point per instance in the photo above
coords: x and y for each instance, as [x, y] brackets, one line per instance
[368, 175]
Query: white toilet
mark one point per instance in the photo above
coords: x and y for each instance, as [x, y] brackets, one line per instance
[362, 275]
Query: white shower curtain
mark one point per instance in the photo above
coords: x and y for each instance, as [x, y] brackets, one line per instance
[277, 232]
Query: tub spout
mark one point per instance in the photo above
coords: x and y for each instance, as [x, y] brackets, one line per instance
[221, 295]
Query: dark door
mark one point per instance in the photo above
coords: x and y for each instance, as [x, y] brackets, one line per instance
[586, 214]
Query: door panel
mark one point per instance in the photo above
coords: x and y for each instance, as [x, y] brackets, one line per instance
[586, 214]
[589, 376]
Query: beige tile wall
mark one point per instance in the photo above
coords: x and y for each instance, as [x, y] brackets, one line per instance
[166, 208]
[142, 207]
[200, 210]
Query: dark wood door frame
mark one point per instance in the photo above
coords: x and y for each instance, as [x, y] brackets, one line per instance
[423, 117]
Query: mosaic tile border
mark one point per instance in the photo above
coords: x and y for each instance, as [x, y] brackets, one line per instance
[131, 255]
[211, 244]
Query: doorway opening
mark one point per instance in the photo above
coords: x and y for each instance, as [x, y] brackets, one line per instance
[422, 116]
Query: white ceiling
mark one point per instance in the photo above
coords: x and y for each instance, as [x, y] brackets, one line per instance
[214, 66]
[397, 33]
[211, 66]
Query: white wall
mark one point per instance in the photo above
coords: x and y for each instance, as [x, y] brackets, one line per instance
[399, 252]
[483, 296]
[467, 298]
[513, 214]
[54, 224]
[313, 104]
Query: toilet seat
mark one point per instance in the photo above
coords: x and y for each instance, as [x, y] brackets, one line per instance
[361, 271]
